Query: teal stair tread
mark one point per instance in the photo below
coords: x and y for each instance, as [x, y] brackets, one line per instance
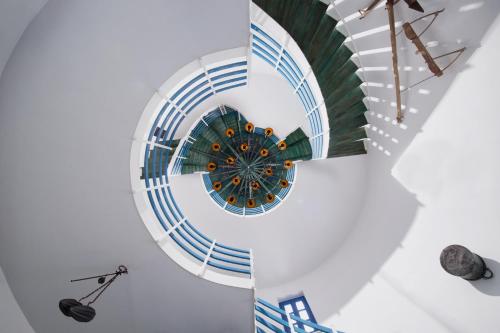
[298, 146]
[164, 157]
[322, 44]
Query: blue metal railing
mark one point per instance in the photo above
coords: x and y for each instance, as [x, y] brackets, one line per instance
[269, 317]
[272, 52]
[177, 227]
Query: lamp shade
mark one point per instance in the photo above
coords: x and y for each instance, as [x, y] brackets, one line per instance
[82, 313]
[66, 304]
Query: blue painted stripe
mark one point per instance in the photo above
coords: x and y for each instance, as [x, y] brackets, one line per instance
[232, 248]
[196, 237]
[268, 325]
[221, 76]
[201, 100]
[311, 324]
[241, 263]
[231, 87]
[220, 68]
[201, 93]
[289, 68]
[165, 207]
[157, 119]
[228, 268]
[218, 250]
[270, 315]
[286, 77]
[292, 61]
[287, 72]
[230, 81]
[190, 92]
[184, 87]
[270, 306]
[265, 35]
[260, 55]
[266, 45]
[265, 52]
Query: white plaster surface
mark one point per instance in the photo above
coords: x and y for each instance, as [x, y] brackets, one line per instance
[386, 277]
[323, 205]
[12, 318]
[452, 168]
[70, 98]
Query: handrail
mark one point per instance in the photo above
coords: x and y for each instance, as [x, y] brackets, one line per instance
[271, 51]
[172, 230]
[276, 319]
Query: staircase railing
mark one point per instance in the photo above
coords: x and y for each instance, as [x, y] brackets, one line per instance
[285, 59]
[151, 150]
[270, 318]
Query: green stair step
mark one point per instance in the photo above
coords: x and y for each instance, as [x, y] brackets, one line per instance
[331, 79]
[323, 45]
[353, 148]
[298, 146]
[341, 90]
[316, 13]
[334, 54]
[325, 28]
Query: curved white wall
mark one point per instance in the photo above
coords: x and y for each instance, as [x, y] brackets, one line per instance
[12, 318]
[70, 98]
[15, 15]
[375, 282]
[317, 215]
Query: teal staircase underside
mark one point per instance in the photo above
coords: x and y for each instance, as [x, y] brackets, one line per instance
[315, 32]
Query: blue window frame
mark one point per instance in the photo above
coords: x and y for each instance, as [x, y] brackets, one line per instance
[299, 307]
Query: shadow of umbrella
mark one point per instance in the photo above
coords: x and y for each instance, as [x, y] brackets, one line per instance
[489, 287]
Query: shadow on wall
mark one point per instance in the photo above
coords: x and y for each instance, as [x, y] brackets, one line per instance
[461, 24]
[490, 287]
[390, 209]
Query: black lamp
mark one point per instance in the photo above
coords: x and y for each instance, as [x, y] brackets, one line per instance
[84, 313]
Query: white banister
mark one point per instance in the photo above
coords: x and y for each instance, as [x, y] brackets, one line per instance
[169, 231]
[252, 271]
[151, 188]
[205, 262]
[290, 323]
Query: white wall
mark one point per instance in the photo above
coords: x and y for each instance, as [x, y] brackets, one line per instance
[347, 292]
[323, 204]
[15, 15]
[452, 167]
[70, 98]
[12, 318]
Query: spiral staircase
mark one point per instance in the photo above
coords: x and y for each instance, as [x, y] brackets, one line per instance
[131, 134]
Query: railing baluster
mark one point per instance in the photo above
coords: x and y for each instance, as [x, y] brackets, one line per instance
[252, 274]
[290, 323]
[209, 253]
[169, 231]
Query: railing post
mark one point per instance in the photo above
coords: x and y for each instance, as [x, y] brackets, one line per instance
[249, 58]
[292, 328]
[161, 240]
[205, 262]
[252, 270]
